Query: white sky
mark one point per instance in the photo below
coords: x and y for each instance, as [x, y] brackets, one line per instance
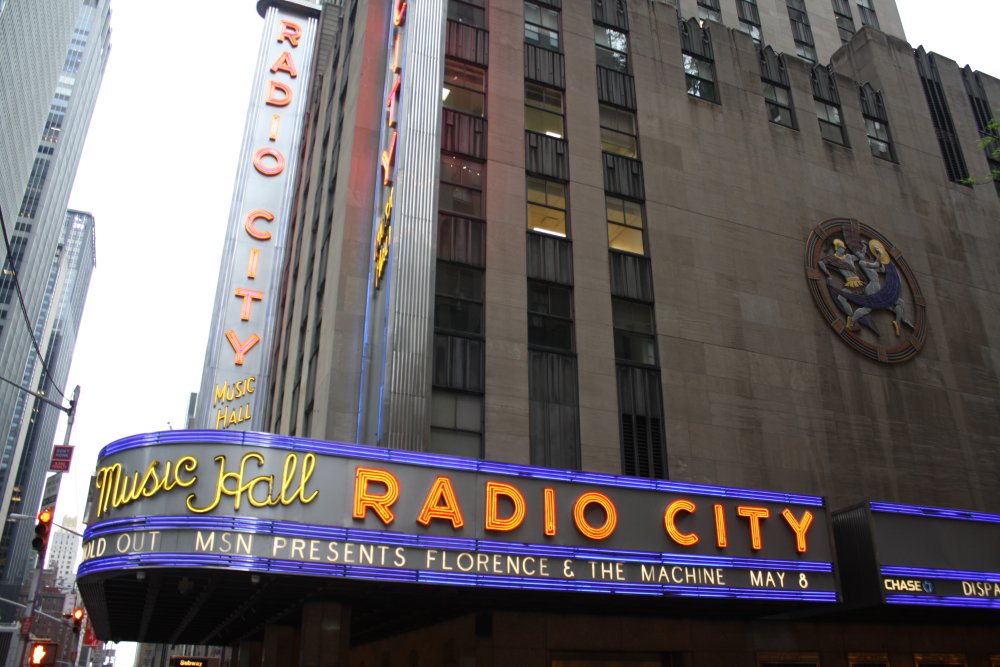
[157, 173]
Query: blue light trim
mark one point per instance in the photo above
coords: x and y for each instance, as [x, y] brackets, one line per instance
[928, 573]
[334, 533]
[934, 601]
[937, 512]
[364, 452]
[258, 564]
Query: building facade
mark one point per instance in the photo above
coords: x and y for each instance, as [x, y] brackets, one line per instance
[75, 37]
[610, 333]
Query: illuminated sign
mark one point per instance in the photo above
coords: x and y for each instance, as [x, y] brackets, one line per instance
[280, 504]
[238, 356]
[923, 556]
[387, 145]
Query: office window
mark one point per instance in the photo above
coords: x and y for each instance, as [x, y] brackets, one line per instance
[635, 331]
[458, 303]
[456, 424]
[469, 12]
[541, 26]
[828, 110]
[612, 48]
[867, 10]
[464, 88]
[805, 46]
[788, 660]
[845, 22]
[831, 127]
[546, 206]
[618, 131]
[625, 225]
[778, 99]
[876, 122]
[461, 189]
[939, 660]
[750, 19]
[543, 109]
[709, 10]
[550, 316]
[700, 77]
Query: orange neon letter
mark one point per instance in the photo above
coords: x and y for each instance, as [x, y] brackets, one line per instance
[249, 296]
[550, 512]
[290, 32]
[669, 521]
[279, 161]
[284, 63]
[381, 503]
[388, 159]
[252, 264]
[755, 514]
[494, 490]
[580, 515]
[800, 527]
[395, 52]
[720, 527]
[392, 101]
[441, 490]
[241, 349]
[259, 214]
[399, 13]
[275, 87]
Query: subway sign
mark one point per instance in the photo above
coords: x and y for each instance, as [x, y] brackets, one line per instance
[268, 503]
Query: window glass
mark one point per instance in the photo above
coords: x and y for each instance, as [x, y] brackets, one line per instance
[543, 110]
[541, 26]
[752, 30]
[633, 323]
[461, 186]
[550, 316]
[830, 126]
[612, 48]
[470, 13]
[779, 104]
[464, 88]
[700, 77]
[618, 131]
[456, 424]
[625, 225]
[546, 206]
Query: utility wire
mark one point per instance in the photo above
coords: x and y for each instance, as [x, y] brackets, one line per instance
[24, 309]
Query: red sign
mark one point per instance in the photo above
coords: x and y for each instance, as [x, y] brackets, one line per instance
[61, 457]
[89, 636]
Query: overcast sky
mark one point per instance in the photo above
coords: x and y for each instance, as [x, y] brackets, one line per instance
[157, 173]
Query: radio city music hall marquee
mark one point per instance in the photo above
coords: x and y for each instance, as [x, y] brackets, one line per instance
[285, 505]
[239, 348]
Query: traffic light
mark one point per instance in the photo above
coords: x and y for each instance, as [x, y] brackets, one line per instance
[43, 653]
[78, 615]
[42, 531]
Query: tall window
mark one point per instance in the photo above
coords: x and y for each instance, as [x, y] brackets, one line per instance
[750, 19]
[625, 225]
[876, 123]
[546, 206]
[470, 12]
[828, 111]
[845, 22]
[464, 88]
[612, 48]
[698, 59]
[867, 10]
[618, 131]
[777, 90]
[461, 190]
[805, 46]
[634, 332]
[543, 109]
[709, 10]
[541, 26]
[456, 423]
[550, 316]
[458, 307]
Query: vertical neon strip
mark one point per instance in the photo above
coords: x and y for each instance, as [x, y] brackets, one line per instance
[275, 125]
[252, 266]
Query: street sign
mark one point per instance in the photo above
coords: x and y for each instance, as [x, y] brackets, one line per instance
[61, 457]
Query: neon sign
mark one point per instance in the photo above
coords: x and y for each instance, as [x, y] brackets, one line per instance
[390, 138]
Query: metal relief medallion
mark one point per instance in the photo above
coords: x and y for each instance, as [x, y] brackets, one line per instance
[865, 290]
